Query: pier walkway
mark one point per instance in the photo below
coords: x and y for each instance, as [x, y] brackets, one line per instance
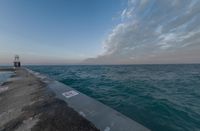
[102, 116]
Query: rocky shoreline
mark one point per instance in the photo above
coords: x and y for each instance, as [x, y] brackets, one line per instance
[27, 104]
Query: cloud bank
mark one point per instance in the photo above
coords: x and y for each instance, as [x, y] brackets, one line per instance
[154, 31]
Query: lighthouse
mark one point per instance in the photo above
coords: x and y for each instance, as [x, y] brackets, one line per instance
[17, 62]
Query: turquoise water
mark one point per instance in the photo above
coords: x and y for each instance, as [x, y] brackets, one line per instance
[161, 97]
[4, 75]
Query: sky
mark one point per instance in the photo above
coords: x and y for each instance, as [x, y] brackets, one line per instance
[100, 31]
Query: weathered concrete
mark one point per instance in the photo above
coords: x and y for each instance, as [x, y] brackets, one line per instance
[102, 116]
[27, 104]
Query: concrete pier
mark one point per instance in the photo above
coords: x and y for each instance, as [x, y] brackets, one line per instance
[27, 104]
[102, 116]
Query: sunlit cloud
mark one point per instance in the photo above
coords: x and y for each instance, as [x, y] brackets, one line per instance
[154, 31]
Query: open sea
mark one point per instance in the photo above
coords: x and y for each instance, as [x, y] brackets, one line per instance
[160, 97]
[4, 75]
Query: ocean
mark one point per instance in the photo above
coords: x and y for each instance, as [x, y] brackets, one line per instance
[4, 75]
[160, 97]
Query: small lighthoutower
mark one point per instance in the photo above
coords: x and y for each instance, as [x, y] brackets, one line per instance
[17, 62]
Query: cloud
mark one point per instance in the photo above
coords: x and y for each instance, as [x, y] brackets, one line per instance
[154, 31]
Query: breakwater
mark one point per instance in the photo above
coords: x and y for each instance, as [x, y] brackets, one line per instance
[33, 97]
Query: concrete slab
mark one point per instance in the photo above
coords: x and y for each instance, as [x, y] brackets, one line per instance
[102, 116]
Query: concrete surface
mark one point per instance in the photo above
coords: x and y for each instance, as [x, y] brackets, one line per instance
[102, 116]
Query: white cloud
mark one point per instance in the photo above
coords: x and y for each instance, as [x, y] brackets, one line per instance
[159, 29]
[123, 13]
[153, 30]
